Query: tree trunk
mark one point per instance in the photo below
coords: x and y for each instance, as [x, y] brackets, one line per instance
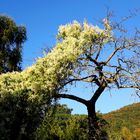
[94, 132]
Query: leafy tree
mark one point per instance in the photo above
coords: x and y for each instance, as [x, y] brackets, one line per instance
[61, 109]
[20, 116]
[60, 124]
[81, 54]
[11, 39]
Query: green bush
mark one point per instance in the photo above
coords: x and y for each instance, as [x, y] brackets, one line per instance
[19, 117]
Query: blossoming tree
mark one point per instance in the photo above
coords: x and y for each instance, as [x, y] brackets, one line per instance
[83, 53]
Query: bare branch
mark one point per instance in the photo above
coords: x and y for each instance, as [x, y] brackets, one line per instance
[118, 69]
[89, 79]
[94, 79]
[98, 53]
[92, 60]
[72, 97]
[113, 53]
[137, 94]
[138, 87]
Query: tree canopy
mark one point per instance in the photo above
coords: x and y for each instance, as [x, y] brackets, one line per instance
[51, 72]
[11, 39]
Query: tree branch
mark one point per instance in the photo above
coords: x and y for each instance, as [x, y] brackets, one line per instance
[92, 60]
[82, 79]
[86, 79]
[98, 92]
[113, 53]
[72, 97]
[98, 53]
[137, 94]
[138, 87]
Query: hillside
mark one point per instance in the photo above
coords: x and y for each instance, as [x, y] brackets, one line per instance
[128, 117]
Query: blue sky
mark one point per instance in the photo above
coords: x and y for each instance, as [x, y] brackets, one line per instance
[42, 19]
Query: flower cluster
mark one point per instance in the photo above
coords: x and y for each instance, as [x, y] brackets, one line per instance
[50, 72]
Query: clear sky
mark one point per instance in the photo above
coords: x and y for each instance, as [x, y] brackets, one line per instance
[42, 18]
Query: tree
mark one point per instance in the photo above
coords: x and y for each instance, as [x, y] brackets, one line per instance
[119, 69]
[20, 116]
[81, 54]
[60, 124]
[11, 39]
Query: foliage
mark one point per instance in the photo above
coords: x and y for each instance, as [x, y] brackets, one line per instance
[19, 116]
[124, 123]
[62, 125]
[11, 39]
[124, 117]
[137, 133]
[126, 134]
[50, 72]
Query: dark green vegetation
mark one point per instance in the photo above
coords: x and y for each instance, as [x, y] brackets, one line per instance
[11, 39]
[62, 125]
[19, 117]
[59, 124]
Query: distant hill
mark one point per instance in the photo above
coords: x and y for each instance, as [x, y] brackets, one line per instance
[127, 117]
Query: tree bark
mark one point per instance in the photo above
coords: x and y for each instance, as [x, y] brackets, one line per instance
[94, 128]
[93, 133]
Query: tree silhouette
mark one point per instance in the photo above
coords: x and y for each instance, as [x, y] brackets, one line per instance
[11, 39]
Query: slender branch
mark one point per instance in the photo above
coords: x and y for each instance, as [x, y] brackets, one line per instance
[72, 97]
[81, 79]
[99, 65]
[138, 87]
[92, 60]
[86, 79]
[138, 95]
[98, 53]
[113, 53]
